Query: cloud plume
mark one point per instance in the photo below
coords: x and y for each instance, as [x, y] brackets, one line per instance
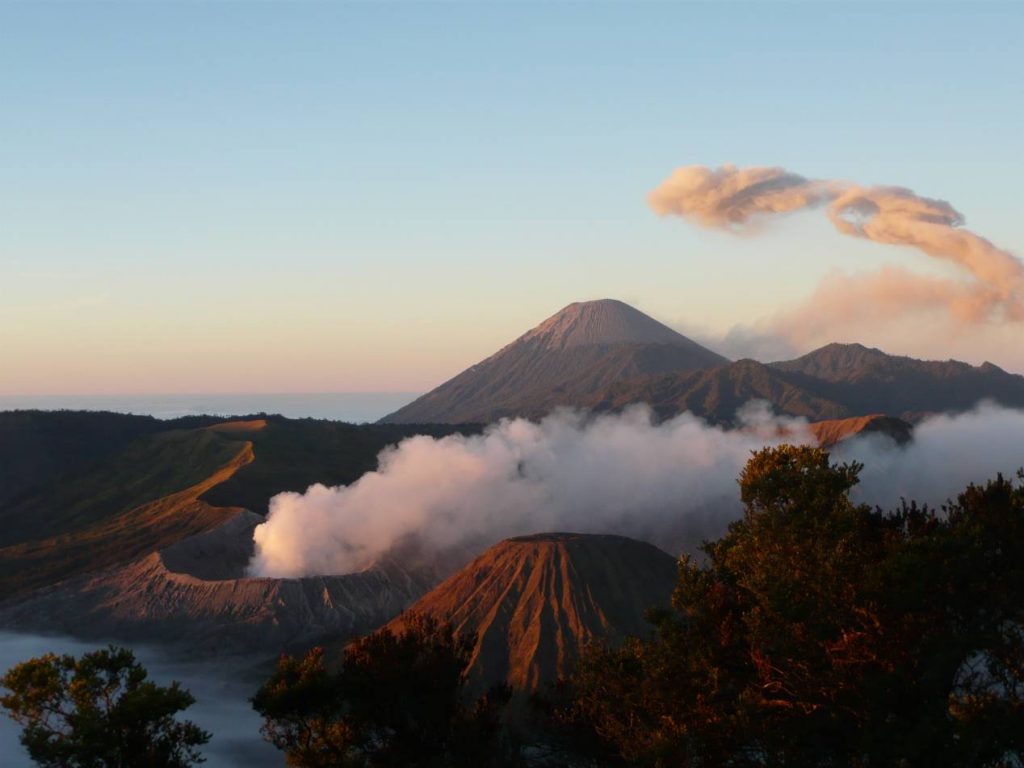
[672, 483]
[990, 288]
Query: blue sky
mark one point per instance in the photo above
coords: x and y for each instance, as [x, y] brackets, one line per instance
[315, 197]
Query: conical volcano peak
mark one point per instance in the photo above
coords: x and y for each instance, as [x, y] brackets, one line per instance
[569, 358]
[533, 602]
[604, 321]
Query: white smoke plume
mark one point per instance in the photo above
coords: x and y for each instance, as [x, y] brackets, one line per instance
[946, 454]
[990, 289]
[672, 483]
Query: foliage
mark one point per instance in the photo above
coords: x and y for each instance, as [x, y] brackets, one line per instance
[397, 700]
[99, 711]
[819, 632]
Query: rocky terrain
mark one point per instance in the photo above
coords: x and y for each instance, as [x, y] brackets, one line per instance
[150, 483]
[533, 602]
[122, 526]
[196, 592]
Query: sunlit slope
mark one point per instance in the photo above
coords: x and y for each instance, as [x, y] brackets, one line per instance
[162, 487]
[834, 431]
[533, 602]
[196, 592]
[144, 498]
[148, 469]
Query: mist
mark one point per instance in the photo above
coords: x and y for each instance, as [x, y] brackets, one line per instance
[222, 690]
[672, 483]
[946, 454]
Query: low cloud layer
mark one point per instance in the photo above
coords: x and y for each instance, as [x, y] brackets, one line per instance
[989, 288]
[947, 453]
[671, 483]
[222, 690]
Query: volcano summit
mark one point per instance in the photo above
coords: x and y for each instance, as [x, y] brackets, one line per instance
[572, 355]
[605, 355]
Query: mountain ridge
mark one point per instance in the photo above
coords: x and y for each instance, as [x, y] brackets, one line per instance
[149, 490]
[904, 388]
[196, 592]
[604, 355]
[581, 348]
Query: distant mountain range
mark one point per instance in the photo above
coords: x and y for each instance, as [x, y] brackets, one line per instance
[604, 355]
[584, 349]
[127, 526]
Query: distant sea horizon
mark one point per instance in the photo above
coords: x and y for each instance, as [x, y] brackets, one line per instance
[355, 407]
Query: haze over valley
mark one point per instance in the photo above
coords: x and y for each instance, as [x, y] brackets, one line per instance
[599, 420]
[503, 385]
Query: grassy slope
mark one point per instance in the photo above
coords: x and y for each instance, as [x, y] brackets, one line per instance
[37, 447]
[163, 487]
[140, 500]
[292, 454]
[148, 469]
[44, 448]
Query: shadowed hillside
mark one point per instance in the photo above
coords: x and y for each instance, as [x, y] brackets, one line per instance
[37, 446]
[868, 380]
[146, 470]
[151, 483]
[292, 454]
[716, 394]
[194, 590]
[836, 382]
[142, 500]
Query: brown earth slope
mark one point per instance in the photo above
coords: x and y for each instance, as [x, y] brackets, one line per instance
[533, 602]
[145, 499]
[162, 486]
[834, 431]
[195, 592]
[718, 393]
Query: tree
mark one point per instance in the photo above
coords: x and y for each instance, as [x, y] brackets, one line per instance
[397, 700]
[819, 632]
[99, 711]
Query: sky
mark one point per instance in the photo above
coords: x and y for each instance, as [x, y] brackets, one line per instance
[314, 197]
